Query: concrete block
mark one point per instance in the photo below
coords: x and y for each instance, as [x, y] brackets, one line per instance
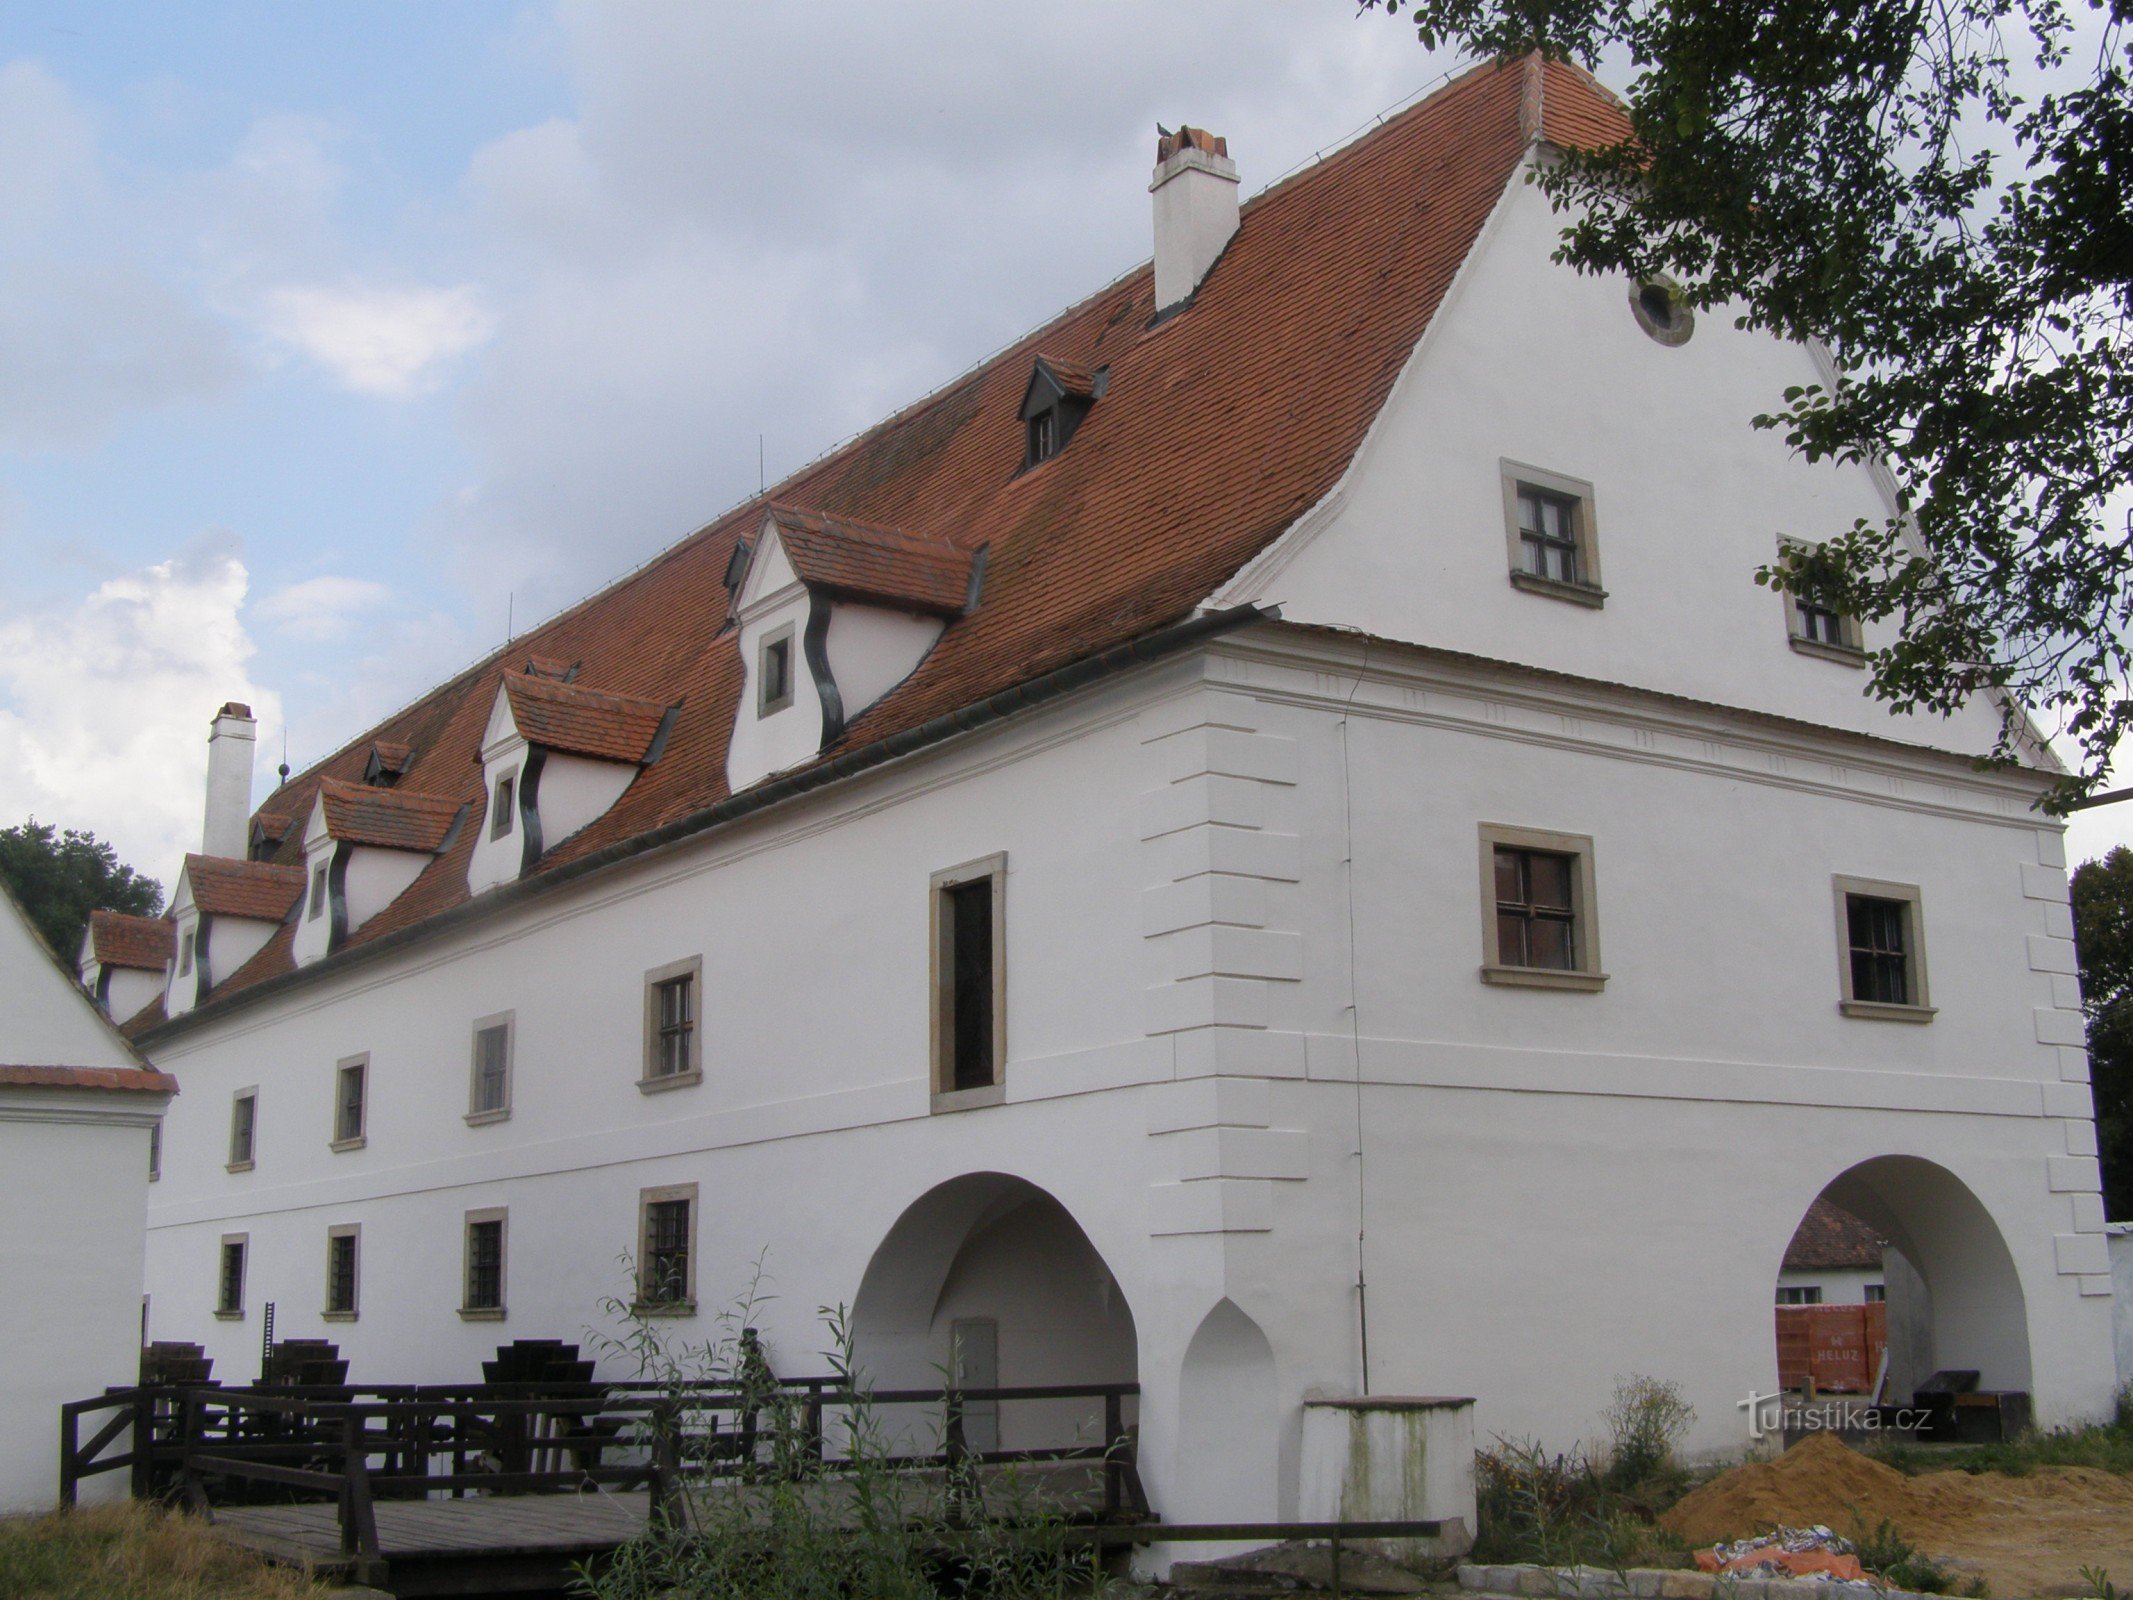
[2043, 883]
[2073, 1064]
[2051, 848]
[1473, 1577]
[1235, 802]
[2058, 919]
[1210, 1205]
[2079, 1253]
[1209, 1102]
[1644, 1582]
[1243, 1153]
[2060, 1025]
[2074, 1174]
[2047, 954]
[1235, 953]
[1686, 1586]
[1247, 852]
[2074, 1101]
[1255, 1053]
[1233, 754]
[1207, 898]
[2066, 991]
[1538, 1582]
[2095, 1285]
[1204, 1003]
[1202, 708]
[2080, 1137]
[2088, 1212]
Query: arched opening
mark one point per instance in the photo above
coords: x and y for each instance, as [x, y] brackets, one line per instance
[1228, 1421]
[990, 1279]
[1898, 1272]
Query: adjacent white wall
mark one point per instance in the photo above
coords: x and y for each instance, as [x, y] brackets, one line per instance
[45, 1019]
[872, 649]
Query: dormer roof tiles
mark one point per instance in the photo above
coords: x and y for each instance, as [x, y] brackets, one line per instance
[1219, 428]
[582, 721]
[863, 562]
[262, 890]
[118, 939]
[391, 819]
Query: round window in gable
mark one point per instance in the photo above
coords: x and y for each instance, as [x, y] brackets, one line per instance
[1661, 311]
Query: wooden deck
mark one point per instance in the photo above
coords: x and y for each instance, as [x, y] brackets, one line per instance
[479, 1545]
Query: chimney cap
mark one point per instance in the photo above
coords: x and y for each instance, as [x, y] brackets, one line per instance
[1186, 137]
[234, 708]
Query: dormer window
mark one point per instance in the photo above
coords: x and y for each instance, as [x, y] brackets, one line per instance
[185, 956]
[500, 811]
[318, 894]
[1059, 395]
[774, 673]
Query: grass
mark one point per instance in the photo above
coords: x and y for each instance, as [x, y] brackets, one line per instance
[2106, 1446]
[135, 1552]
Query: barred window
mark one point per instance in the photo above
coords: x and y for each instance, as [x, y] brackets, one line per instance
[1881, 951]
[342, 1245]
[666, 1244]
[229, 1288]
[485, 1264]
[677, 1025]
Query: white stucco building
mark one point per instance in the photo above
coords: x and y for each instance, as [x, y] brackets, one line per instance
[1265, 842]
[78, 1121]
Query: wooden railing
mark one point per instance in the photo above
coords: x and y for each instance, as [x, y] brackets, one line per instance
[355, 1446]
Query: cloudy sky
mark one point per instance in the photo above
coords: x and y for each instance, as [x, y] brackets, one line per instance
[331, 336]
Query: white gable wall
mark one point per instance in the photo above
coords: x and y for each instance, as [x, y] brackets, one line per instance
[1531, 362]
[46, 1021]
[771, 598]
[575, 791]
[496, 860]
[872, 649]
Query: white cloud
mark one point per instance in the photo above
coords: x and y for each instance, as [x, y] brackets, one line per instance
[104, 708]
[321, 609]
[388, 343]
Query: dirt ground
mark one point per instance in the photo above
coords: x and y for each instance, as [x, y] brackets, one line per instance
[2025, 1536]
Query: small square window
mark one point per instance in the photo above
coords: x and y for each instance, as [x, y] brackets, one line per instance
[1876, 1293]
[489, 1087]
[1881, 945]
[318, 893]
[969, 983]
[503, 805]
[671, 1036]
[1539, 925]
[774, 673]
[666, 1250]
[229, 1282]
[1809, 1295]
[482, 1290]
[351, 1088]
[343, 1251]
[244, 1124]
[1815, 629]
[1549, 526]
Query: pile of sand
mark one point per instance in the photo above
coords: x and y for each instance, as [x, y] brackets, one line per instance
[2026, 1536]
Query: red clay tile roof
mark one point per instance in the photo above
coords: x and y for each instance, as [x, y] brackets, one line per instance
[1072, 377]
[1219, 428]
[585, 722]
[393, 819]
[1828, 1238]
[262, 890]
[864, 562]
[119, 940]
[140, 1080]
[391, 755]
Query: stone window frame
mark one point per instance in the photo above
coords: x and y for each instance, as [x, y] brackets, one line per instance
[359, 1062]
[1848, 651]
[1588, 976]
[478, 1115]
[224, 1311]
[940, 935]
[651, 1080]
[317, 894]
[237, 1163]
[1587, 590]
[503, 804]
[352, 1231]
[765, 704]
[501, 1216]
[646, 1199]
[1920, 1007]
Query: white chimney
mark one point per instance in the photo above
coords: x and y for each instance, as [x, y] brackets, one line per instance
[1195, 189]
[229, 783]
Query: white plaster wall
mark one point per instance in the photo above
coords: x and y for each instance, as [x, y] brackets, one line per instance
[231, 942]
[130, 989]
[492, 860]
[2122, 1299]
[313, 939]
[1840, 1286]
[574, 792]
[1529, 361]
[73, 1192]
[764, 745]
[872, 649]
[182, 988]
[46, 1020]
[1557, 1189]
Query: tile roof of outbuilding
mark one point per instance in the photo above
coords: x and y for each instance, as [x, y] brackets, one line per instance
[392, 819]
[1829, 1237]
[1221, 426]
[136, 1080]
[119, 939]
[261, 890]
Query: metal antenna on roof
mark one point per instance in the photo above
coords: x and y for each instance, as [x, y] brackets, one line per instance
[510, 615]
[284, 756]
[760, 481]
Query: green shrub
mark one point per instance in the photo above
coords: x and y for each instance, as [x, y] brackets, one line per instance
[1646, 1419]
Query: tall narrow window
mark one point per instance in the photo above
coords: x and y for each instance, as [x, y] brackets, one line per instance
[969, 981]
[482, 1296]
[1882, 946]
[671, 1048]
[343, 1247]
[185, 955]
[229, 1283]
[244, 1123]
[155, 1150]
[502, 805]
[1539, 929]
[774, 673]
[351, 1088]
[666, 1249]
[318, 893]
[1043, 437]
[489, 1091]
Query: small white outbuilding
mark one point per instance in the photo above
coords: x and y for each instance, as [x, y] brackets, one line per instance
[78, 1119]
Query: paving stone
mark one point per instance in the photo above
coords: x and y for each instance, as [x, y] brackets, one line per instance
[1686, 1585]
